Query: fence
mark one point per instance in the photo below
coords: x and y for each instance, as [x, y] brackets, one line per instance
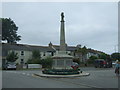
[27, 66]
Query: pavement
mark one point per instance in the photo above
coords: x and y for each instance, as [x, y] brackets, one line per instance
[61, 76]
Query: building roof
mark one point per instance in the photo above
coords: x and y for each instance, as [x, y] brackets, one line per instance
[94, 51]
[7, 46]
[69, 48]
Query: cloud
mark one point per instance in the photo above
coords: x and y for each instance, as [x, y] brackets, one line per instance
[92, 24]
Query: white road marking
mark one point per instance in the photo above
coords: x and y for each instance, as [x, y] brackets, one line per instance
[28, 74]
[23, 73]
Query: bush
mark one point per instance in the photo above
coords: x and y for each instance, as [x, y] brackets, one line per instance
[92, 59]
[35, 57]
[76, 60]
[33, 61]
[47, 63]
[61, 71]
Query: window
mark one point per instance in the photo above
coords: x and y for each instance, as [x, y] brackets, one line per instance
[69, 53]
[52, 53]
[74, 53]
[44, 54]
[22, 61]
[22, 52]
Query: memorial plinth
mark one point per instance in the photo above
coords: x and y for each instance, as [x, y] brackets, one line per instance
[62, 61]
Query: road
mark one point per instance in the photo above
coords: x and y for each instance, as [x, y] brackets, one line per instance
[99, 78]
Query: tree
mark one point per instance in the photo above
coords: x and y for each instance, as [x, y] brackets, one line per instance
[92, 59]
[78, 53]
[103, 56]
[115, 56]
[33, 61]
[76, 60]
[9, 31]
[82, 53]
[12, 57]
[36, 54]
[35, 57]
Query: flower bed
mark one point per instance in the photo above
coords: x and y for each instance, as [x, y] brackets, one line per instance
[61, 71]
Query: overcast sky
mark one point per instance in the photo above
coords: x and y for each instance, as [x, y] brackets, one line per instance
[93, 24]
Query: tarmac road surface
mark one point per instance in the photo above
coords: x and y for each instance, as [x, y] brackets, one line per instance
[99, 78]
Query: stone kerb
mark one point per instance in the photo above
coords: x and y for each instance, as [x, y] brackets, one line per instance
[62, 76]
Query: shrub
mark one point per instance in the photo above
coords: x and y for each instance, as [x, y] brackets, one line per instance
[92, 59]
[33, 61]
[76, 60]
[61, 71]
[47, 63]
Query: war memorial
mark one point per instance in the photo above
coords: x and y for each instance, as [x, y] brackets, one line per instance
[62, 62]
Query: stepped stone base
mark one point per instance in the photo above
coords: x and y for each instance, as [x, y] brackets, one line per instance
[62, 61]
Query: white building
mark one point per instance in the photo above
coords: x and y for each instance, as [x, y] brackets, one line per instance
[25, 51]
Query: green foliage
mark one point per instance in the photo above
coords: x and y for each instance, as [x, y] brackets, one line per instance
[36, 54]
[84, 50]
[115, 56]
[61, 71]
[9, 31]
[35, 57]
[103, 56]
[92, 59]
[47, 63]
[33, 61]
[12, 57]
[76, 60]
[82, 53]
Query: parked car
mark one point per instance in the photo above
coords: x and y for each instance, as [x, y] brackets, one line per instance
[101, 63]
[10, 66]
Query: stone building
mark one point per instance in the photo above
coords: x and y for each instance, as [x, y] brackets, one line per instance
[25, 51]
